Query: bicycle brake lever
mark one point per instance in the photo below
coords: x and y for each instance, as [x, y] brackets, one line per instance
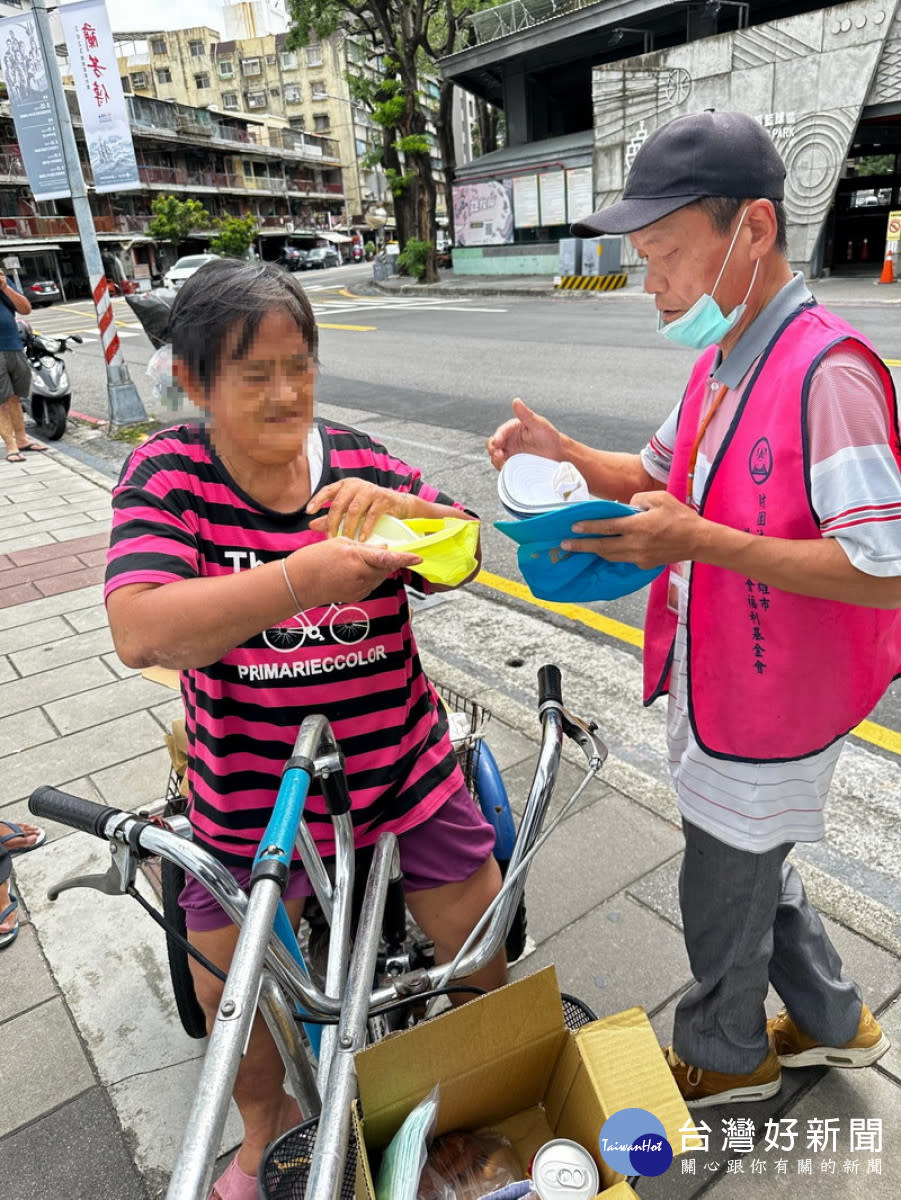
[115, 881]
[584, 733]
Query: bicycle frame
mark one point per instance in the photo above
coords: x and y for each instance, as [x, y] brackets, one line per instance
[267, 967]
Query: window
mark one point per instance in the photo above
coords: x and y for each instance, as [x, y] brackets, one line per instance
[317, 90]
[274, 92]
[313, 55]
[321, 122]
[298, 123]
[226, 70]
[256, 99]
[164, 75]
[196, 49]
[292, 93]
[158, 45]
[289, 60]
[229, 99]
[270, 60]
[139, 80]
[202, 81]
[251, 66]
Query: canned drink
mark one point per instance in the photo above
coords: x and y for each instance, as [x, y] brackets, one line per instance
[564, 1170]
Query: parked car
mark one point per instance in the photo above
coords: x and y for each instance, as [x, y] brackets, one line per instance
[185, 267]
[321, 257]
[40, 291]
[292, 258]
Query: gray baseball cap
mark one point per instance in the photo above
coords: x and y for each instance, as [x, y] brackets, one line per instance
[703, 154]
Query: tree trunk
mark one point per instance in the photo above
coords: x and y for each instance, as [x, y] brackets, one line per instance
[444, 124]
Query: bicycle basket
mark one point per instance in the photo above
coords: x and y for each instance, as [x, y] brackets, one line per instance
[576, 1013]
[285, 1169]
[466, 723]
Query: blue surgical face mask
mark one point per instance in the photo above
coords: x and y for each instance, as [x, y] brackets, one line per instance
[705, 324]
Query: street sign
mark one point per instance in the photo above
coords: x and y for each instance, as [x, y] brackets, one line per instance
[893, 232]
[11, 263]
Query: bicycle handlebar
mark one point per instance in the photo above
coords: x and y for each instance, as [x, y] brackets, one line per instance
[74, 811]
[549, 685]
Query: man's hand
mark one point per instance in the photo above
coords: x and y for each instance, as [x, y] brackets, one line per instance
[358, 504]
[526, 433]
[666, 531]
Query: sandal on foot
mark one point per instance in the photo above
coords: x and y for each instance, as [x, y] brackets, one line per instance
[33, 448]
[15, 457]
[16, 832]
[235, 1184]
[11, 934]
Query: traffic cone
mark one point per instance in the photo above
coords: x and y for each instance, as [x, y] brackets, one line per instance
[888, 271]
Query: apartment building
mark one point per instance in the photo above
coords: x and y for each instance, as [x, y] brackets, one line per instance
[305, 91]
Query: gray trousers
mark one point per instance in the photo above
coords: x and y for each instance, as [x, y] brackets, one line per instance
[747, 923]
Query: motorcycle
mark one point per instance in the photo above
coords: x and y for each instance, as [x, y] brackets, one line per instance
[50, 397]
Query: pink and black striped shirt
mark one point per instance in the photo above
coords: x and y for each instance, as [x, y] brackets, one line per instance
[177, 515]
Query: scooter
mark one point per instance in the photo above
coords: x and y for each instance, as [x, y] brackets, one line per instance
[50, 398]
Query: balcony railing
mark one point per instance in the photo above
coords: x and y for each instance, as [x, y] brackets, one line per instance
[54, 227]
[493, 23]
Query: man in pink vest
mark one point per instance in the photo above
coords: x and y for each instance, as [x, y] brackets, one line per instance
[773, 493]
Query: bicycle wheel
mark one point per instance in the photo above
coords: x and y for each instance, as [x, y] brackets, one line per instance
[190, 1013]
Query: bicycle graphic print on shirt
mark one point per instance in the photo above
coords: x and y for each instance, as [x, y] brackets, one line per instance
[346, 623]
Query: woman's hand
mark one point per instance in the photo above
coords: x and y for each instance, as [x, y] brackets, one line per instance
[526, 433]
[340, 571]
[358, 505]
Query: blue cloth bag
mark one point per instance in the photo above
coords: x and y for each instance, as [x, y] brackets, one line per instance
[569, 577]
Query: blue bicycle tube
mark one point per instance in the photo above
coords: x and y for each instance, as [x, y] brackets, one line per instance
[492, 796]
[277, 844]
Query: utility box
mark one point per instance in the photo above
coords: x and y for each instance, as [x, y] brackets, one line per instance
[601, 256]
[570, 262]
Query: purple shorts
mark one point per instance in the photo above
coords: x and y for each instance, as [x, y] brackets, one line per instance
[448, 847]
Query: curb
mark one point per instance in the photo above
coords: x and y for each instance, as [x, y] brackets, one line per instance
[536, 293]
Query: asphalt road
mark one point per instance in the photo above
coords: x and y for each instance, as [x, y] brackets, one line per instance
[598, 370]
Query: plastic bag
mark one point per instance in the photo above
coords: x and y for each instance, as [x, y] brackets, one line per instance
[447, 545]
[467, 1166]
[405, 1156]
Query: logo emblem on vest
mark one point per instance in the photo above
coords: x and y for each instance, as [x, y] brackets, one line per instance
[760, 461]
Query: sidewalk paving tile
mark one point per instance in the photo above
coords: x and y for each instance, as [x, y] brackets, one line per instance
[73, 648]
[115, 699]
[11, 575]
[71, 581]
[85, 619]
[23, 730]
[64, 759]
[76, 1152]
[64, 1074]
[15, 540]
[605, 847]
[596, 957]
[36, 610]
[140, 780]
[25, 637]
[96, 541]
[21, 594]
[20, 694]
[28, 983]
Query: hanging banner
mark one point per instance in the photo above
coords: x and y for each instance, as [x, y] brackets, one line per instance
[552, 193]
[37, 128]
[100, 99]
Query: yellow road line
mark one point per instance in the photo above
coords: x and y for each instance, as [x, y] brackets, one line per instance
[867, 731]
[892, 362]
[352, 328]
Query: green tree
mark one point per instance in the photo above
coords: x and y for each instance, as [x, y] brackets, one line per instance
[174, 219]
[412, 37]
[235, 237]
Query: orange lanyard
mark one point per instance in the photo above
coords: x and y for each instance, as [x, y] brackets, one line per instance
[702, 429]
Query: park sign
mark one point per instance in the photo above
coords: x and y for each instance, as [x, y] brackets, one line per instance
[101, 101]
[31, 103]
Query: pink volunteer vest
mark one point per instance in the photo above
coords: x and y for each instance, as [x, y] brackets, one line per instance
[771, 675]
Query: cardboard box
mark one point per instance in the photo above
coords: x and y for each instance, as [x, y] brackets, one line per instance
[506, 1061]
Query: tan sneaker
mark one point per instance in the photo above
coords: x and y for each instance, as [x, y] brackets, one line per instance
[796, 1049]
[702, 1089]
